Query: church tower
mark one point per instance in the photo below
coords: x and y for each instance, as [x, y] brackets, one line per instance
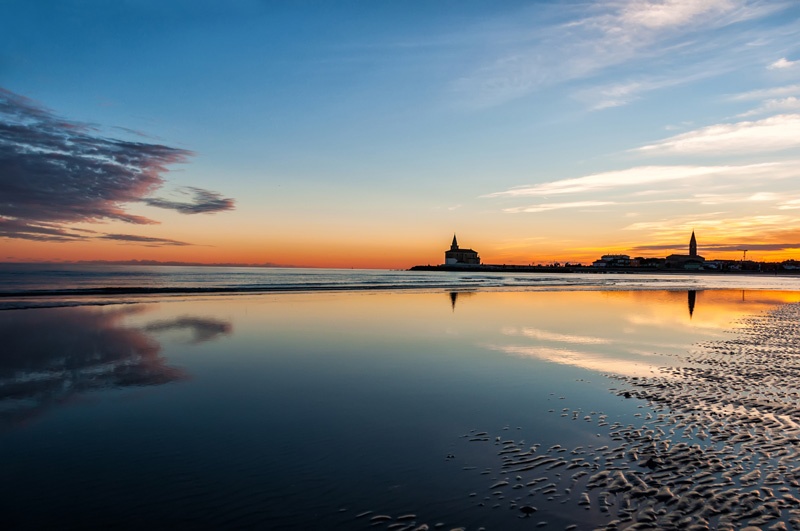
[455, 256]
[692, 245]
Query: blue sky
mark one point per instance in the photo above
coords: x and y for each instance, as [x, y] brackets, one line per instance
[366, 133]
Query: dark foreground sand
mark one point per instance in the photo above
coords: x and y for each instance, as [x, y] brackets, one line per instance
[716, 447]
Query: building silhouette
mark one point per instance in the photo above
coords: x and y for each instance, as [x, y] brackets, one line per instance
[687, 261]
[457, 256]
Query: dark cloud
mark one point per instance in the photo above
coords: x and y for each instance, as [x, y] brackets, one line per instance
[14, 228]
[203, 201]
[56, 172]
[754, 247]
[705, 249]
[146, 240]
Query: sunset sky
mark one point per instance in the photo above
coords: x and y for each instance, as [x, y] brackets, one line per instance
[366, 133]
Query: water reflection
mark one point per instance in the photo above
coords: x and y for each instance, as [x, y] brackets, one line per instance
[201, 329]
[52, 355]
[454, 296]
[624, 333]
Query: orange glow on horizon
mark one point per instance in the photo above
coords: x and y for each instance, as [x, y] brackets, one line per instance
[393, 251]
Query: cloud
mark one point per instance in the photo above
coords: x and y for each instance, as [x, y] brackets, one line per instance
[14, 228]
[545, 207]
[203, 201]
[644, 175]
[723, 247]
[775, 133]
[619, 94]
[590, 38]
[772, 106]
[720, 233]
[55, 172]
[763, 94]
[782, 63]
[145, 240]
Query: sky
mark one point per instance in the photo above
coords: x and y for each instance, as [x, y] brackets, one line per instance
[366, 133]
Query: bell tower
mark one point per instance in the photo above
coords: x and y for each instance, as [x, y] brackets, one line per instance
[693, 246]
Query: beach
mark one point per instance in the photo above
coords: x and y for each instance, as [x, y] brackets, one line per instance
[570, 407]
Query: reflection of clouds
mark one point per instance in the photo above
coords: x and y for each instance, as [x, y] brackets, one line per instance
[575, 358]
[545, 335]
[52, 355]
[202, 329]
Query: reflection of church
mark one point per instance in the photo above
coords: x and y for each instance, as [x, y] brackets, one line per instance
[687, 261]
[458, 256]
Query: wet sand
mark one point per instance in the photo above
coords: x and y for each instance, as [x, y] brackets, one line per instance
[501, 411]
[717, 447]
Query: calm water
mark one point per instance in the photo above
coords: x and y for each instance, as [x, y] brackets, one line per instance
[303, 410]
[37, 285]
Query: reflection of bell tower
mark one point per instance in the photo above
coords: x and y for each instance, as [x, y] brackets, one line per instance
[453, 299]
[692, 245]
[454, 245]
[692, 300]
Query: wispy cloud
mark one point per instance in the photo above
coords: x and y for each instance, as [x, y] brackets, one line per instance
[775, 133]
[619, 94]
[772, 106]
[727, 247]
[55, 173]
[145, 240]
[545, 207]
[721, 233]
[717, 228]
[590, 38]
[646, 175]
[766, 93]
[792, 204]
[783, 63]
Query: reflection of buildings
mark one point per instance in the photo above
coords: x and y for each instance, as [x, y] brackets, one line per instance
[51, 355]
[458, 256]
[687, 261]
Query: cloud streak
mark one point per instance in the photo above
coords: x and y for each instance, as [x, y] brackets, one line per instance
[775, 133]
[727, 247]
[782, 64]
[643, 176]
[546, 207]
[56, 172]
[144, 240]
[592, 38]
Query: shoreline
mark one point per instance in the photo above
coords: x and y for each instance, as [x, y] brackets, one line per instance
[492, 268]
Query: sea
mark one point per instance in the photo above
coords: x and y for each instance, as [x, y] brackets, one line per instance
[136, 397]
[48, 284]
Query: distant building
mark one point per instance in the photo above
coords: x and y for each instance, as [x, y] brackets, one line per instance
[458, 256]
[613, 260]
[687, 261]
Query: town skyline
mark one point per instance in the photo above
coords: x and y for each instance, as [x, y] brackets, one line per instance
[351, 135]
